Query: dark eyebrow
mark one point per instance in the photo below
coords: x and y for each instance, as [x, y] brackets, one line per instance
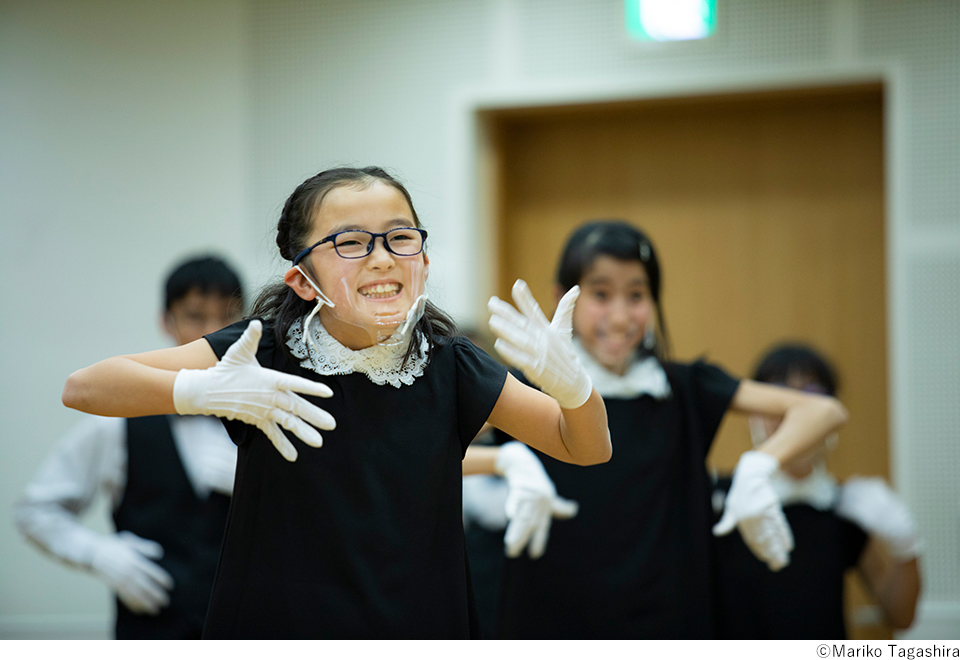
[393, 224]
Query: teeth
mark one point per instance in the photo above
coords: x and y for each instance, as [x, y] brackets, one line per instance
[380, 290]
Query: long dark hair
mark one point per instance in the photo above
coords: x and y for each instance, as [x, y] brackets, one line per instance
[281, 305]
[620, 240]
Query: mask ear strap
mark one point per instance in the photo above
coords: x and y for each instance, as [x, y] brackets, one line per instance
[321, 298]
[321, 301]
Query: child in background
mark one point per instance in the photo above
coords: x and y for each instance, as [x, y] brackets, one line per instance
[860, 524]
[169, 480]
[636, 562]
[363, 538]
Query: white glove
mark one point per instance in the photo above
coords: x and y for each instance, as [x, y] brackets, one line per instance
[869, 502]
[541, 349]
[123, 562]
[218, 466]
[532, 500]
[753, 507]
[237, 387]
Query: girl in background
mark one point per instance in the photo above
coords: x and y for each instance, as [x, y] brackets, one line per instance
[364, 538]
[860, 524]
[636, 562]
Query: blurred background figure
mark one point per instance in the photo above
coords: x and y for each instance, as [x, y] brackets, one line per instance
[860, 524]
[636, 563]
[168, 478]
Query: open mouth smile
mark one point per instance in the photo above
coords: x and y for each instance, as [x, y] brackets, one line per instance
[381, 290]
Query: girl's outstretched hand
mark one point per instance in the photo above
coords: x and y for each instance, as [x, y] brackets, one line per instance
[237, 387]
[541, 349]
[532, 501]
[752, 506]
[869, 502]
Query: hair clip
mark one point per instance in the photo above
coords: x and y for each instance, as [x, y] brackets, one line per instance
[644, 251]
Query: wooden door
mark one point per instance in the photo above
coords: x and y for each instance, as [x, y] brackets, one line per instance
[767, 211]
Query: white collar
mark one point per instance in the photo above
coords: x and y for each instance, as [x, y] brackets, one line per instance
[380, 363]
[819, 489]
[643, 377]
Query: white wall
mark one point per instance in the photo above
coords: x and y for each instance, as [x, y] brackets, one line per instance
[123, 146]
[140, 109]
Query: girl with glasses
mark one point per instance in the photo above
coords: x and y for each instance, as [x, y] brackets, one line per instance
[636, 562]
[362, 538]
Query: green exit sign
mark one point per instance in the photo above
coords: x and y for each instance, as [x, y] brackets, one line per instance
[671, 20]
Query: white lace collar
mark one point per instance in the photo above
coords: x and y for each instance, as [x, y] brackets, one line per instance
[379, 363]
[643, 377]
[819, 489]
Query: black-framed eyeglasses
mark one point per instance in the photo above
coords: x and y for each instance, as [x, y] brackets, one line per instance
[357, 243]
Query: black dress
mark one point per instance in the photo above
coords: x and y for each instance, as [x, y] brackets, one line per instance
[636, 561]
[363, 537]
[804, 600]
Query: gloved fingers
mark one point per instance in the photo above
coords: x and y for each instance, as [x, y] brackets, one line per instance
[527, 304]
[308, 412]
[562, 508]
[726, 524]
[138, 602]
[514, 355]
[778, 560]
[291, 383]
[563, 318]
[298, 427]
[518, 533]
[517, 335]
[787, 533]
[244, 350]
[154, 574]
[279, 440]
[769, 539]
[507, 312]
[145, 547]
[538, 540]
[143, 596]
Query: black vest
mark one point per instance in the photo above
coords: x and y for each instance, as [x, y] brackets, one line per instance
[159, 504]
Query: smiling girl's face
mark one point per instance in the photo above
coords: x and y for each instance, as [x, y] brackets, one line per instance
[613, 311]
[372, 294]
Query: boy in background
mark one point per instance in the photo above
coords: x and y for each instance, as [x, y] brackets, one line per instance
[169, 480]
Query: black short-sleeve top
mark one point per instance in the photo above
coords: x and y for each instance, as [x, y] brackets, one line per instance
[804, 600]
[363, 537]
[636, 561]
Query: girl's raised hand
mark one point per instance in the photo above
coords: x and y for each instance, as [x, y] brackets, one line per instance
[541, 349]
[237, 387]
